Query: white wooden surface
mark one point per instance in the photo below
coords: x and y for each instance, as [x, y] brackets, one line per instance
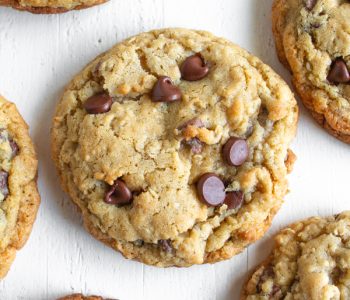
[40, 54]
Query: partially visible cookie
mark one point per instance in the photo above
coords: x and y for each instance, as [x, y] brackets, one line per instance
[82, 297]
[310, 260]
[50, 6]
[19, 198]
[313, 41]
[175, 146]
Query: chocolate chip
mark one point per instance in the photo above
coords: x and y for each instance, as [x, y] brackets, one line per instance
[118, 194]
[139, 243]
[235, 151]
[211, 189]
[4, 189]
[165, 245]
[315, 25]
[234, 200]
[98, 104]
[165, 91]
[194, 68]
[14, 148]
[266, 274]
[276, 292]
[338, 72]
[310, 4]
[195, 144]
[193, 122]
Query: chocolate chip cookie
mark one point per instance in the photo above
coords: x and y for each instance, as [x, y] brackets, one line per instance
[313, 41]
[174, 145]
[19, 198]
[82, 297]
[310, 260]
[49, 6]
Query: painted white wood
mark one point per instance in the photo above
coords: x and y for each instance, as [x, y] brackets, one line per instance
[40, 54]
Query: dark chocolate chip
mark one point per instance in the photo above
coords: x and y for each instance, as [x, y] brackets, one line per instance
[14, 148]
[338, 72]
[165, 91]
[235, 151]
[310, 4]
[165, 245]
[194, 68]
[211, 189]
[195, 144]
[263, 116]
[118, 194]
[4, 189]
[193, 122]
[234, 200]
[276, 292]
[98, 104]
[139, 243]
[266, 274]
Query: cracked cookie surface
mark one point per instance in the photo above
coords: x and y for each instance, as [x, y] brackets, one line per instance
[49, 6]
[310, 260]
[19, 198]
[310, 37]
[154, 153]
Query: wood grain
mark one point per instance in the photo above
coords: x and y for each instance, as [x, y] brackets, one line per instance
[40, 54]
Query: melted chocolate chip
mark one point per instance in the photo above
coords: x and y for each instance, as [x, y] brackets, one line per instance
[98, 104]
[267, 273]
[211, 189]
[194, 68]
[310, 4]
[14, 148]
[195, 144]
[235, 151]
[4, 189]
[118, 194]
[234, 200]
[193, 122]
[165, 245]
[165, 91]
[338, 72]
[139, 243]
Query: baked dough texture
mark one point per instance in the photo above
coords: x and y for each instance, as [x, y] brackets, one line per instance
[50, 6]
[19, 205]
[310, 260]
[141, 142]
[310, 36]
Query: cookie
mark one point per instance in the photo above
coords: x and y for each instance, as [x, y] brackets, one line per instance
[49, 7]
[310, 260]
[19, 198]
[81, 297]
[174, 145]
[313, 41]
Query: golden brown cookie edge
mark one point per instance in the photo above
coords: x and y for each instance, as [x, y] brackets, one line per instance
[80, 297]
[47, 9]
[30, 204]
[279, 12]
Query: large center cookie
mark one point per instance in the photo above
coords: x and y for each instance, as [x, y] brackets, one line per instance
[311, 260]
[19, 198]
[174, 145]
[313, 41]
